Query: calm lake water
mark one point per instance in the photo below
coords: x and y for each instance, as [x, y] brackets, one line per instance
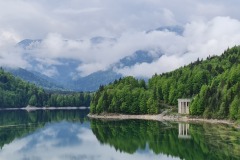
[70, 135]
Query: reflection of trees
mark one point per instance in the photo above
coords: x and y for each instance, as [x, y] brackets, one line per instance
[16, 124]
[130, 136]
[218, 140]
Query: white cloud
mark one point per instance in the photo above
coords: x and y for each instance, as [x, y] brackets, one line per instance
[101, 56]
[45, 70]
[74, 19]
[77, 11]
[68, 141]
[86, 69]
[66, 28]
[10, 56]
[200, 39]
[163, 64]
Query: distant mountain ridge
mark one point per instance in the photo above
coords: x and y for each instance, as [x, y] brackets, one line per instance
[67, 76]
[65, 80]
[36, 78]
[175, 29]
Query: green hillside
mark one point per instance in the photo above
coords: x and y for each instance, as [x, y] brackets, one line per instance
[213, 84]
[15, 93]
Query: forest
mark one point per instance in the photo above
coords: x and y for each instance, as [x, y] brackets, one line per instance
[15, 93]
[212, 84]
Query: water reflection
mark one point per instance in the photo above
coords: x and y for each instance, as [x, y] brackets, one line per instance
[67, 141]
[208, 141]
[68, 135]
[16, 124]
[183, 131]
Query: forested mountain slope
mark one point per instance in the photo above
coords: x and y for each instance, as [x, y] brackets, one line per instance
[213, 85]
[16, 93]
[36, 78]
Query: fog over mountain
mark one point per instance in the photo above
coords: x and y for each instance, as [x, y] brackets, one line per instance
[71, 40]
[64, 71]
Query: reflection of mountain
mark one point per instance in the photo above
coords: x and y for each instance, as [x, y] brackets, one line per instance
[132, 136]
[16, 124]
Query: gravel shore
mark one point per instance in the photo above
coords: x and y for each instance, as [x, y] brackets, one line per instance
[161, 117]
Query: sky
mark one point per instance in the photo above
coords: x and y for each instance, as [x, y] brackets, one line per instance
[210, 27]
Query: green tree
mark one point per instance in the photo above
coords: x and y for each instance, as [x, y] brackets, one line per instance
[33, 100]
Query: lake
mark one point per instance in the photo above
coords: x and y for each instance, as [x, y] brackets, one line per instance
[70, 135]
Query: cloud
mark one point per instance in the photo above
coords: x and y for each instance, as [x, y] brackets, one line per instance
[9, 55]
[200, 39]
[67, 27]
[102, 55]
[49, 71]
[163, 64]
[68, 141]
[74, 19]
[77, 11]
[86, 69]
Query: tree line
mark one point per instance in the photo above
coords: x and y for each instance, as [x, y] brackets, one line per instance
[126, 95]
[15, 93]
[212, 84]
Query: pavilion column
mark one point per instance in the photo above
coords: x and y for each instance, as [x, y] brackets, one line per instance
[180, 107]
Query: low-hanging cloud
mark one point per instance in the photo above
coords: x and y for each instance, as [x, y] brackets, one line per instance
[93, 57]
[200, 39]
[67, 28]
[9, 55]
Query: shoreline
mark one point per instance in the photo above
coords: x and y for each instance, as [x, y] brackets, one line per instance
[32, 108]
[160, 118]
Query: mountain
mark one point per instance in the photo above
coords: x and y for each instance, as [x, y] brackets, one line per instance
[212, 84]
[94, 80]
[100, 39]
[16, 93]
[139, 56]
[63, 71]
[36, 78]
[67, 77]
[29, 43]
[175, 29]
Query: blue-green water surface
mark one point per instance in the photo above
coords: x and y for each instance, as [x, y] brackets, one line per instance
[70, 135]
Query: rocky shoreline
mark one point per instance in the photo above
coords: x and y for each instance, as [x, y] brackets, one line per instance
[161, 117]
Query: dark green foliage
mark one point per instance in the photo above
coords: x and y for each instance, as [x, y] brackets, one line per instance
[127, 95]
[220, 97]
[213, 84]
[15, 93]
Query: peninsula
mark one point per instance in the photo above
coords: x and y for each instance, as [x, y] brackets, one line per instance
[212, 84]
